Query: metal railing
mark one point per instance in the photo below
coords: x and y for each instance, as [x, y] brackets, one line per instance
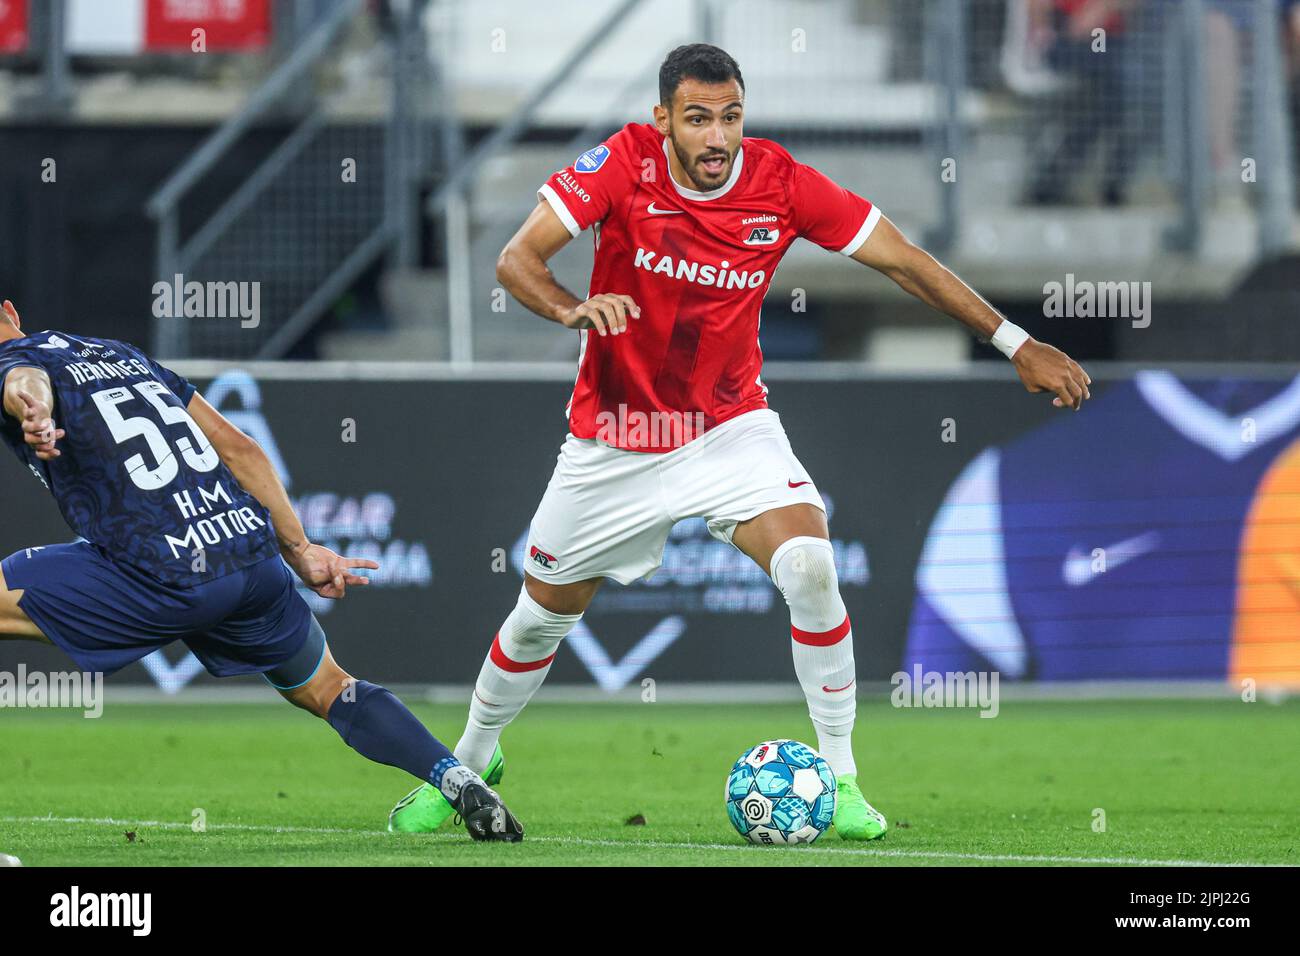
[1174, 104]
[298, 229]
[884, 95]
[904, 86]
[450, 198]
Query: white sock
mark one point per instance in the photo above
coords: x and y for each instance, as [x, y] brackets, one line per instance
[821, 639]
[517, 664]
[455, 780]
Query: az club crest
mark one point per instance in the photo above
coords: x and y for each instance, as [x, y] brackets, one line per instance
[541, 558]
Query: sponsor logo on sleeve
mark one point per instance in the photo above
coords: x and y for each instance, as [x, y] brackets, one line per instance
[592, 159]
[571, 187]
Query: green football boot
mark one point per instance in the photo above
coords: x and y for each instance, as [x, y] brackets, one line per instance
[855, 819]
[425, 809]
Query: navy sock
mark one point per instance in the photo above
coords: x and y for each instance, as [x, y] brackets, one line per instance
[378, 726]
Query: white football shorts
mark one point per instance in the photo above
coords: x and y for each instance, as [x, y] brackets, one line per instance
[607, 511]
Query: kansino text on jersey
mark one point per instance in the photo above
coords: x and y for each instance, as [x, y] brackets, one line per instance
[697, 273]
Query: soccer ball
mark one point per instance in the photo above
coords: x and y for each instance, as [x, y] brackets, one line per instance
[781, 791]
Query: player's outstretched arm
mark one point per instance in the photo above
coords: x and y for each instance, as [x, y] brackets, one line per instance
[326, 573]
[1041, 367]
[522, 270]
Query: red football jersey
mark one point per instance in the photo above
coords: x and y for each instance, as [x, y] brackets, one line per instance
[698, 264]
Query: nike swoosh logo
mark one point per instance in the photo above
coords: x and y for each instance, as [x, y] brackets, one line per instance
[798, 484]
[662, 212]
[836, 690]
[1077, 569]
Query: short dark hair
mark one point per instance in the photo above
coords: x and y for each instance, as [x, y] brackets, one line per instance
[699, 61]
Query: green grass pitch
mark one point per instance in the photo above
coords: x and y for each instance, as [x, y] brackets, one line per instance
[1211, 781]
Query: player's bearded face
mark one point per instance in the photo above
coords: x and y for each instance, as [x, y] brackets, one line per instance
[705, 131]
[707, 168]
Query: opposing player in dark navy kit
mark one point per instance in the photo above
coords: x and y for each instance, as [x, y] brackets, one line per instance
[184, 523]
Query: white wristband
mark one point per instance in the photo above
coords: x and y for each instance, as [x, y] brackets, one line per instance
[1008, 338]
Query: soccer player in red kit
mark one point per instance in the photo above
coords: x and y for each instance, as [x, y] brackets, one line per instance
[669, 416]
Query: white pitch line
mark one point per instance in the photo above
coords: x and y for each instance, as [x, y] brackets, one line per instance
[175, 825]
[923, 854]
[659, 845]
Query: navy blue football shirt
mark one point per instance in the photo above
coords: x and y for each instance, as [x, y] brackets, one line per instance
[137, 477]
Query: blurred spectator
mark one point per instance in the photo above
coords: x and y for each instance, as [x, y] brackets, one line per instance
[1096, 108]
[1291, 34]
[1229, 27]
[1227, 24]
